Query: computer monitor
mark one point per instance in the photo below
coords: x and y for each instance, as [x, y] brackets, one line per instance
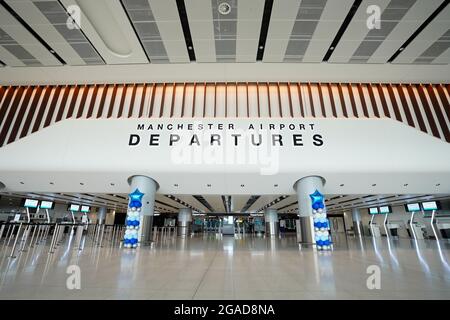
[431, 205]
[47, 204]
[373, 210]
[31, 203]
[74, 207]
[385, 209]
[412, 207]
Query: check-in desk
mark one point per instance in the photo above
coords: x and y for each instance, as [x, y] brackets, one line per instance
[393, 229]
[444, 229]
[418, 229]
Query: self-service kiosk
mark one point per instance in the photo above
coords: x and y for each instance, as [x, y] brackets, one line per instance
[415, 229]
[440, 230]
[374, 227]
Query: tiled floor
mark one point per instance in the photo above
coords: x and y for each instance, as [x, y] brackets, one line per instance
[210, 267]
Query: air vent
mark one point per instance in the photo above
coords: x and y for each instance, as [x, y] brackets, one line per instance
[225, 30]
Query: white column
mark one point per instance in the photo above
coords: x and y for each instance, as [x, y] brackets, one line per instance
[304, 187]
[357, 226]
[272, 224]
[148, 187]
[101, 215]
[184, 222]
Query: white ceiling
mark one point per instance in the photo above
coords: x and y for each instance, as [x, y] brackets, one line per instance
[125, 39]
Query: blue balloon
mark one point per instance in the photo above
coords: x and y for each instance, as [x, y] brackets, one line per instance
[321, 205]
[126, 241]
[315, 206]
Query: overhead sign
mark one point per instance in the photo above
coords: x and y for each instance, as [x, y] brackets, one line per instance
[430, 205]
[31, 203]
[412, 207]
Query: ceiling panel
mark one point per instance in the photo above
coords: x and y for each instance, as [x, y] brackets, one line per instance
[432, 33]
[200, 18]
[238, 202]
[249, 17]
[412, 20]
[19, 42]
[355, 33]
[282, 21]
[330, 21]
[106, 25]
[168, 22]
[216, 202]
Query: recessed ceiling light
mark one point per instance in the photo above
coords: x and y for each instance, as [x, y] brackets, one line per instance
[438, 184]
[52, 183]
[21, 182]
[81, 184]
[261, 47]
[405, 185]
[224, 8]
[208, 185]
[331, 48]
[373, 185]
[190, 47]
[341, 184]
[401, 49]
[275, 185]
[112, 184]
[242, 185]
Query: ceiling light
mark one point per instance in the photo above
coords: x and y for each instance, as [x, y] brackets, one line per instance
[438, 184]
[405, 185]
[341, 184]
[81, 184]
[112, 184]
[21, 182]
[224, 8]
[52, 183]
[275, 185]
[373, 185]
[242, 185]
[261, 47]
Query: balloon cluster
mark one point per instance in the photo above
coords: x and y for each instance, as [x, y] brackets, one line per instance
[321, 224]
[130, 239]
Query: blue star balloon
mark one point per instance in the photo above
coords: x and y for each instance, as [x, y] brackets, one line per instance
[317, 199]
[136, 198]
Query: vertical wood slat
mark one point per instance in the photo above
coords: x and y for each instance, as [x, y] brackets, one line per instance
[444, 100]
[416, 108]
[311, 102]
[52, 106]
[394, 103]
[322, 103]
[438, 112]
[184, 100]
[62, 105]
[83, 101]
[73, 102]
[6, 102]
[352, 100]
[92, 103]
[280, 109]
[258, 102]
[41, 110]
[122, 100]
[152, 101]
[363, 101]
[268, 100]
[383, 101]
[112, 102]
[300, 99]
[10, 116]
[102, 100]
[248, 106]
[333, 105]
[226, 100]
[291, 110]
[402, 96]
[428, 114]
[21, 114]
[31, 112]
[163, 99]
[193, 100]
[373, 101]
[342, 100]
[132, 100]
[173, 100]
[204, 99]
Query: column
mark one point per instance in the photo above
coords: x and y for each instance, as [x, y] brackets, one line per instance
[312, 213]
[140, 211]
[357, 224]
[272, 224]
[101, 215]
[184, 222]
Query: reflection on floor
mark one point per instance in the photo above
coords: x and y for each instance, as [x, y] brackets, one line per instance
[214, 267]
